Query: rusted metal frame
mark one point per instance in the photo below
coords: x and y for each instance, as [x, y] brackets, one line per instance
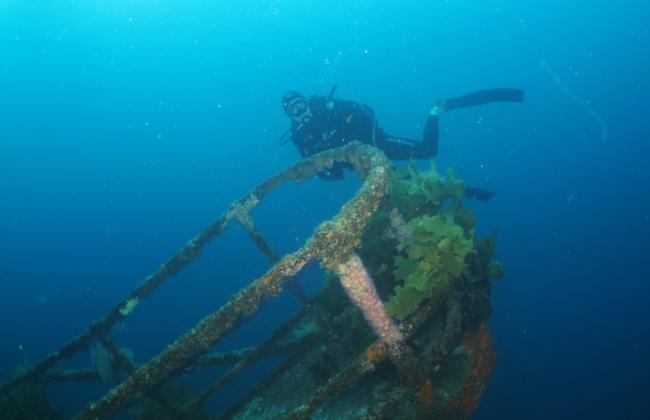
[35, 371]
[121, 310]
[187, 254]
[381, 411]
[247, 222]
[334, 386]
[207, 361]
[114, 349]
[259, 387]
[450, 336]
[219, 359]
[259, 352]
[331, 241]
[365, 364]
[293, 285]
[452, 331]
[71, 375]
[378, 351]
[258, 239]
[236, 356]
[195, 341]
[85, 375]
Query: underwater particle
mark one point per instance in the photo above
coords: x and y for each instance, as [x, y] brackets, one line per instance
[129, 306]
[360, 288]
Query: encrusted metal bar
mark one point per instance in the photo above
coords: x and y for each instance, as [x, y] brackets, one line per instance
[196, 340]
[378, 351]
[71, 375]
[365, 364]
[249, 225]
[258, 239]
[209, 360]
[332, 241]
[363, 158]
[278, 371]
[123, 308]
[333, 245]
[118, 355]
[219, 359]
[381, 410]
[259, 352]
[114, 349]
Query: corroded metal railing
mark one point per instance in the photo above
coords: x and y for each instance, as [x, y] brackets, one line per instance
[333, 244]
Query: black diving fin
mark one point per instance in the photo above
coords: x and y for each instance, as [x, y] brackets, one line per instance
[478, 194]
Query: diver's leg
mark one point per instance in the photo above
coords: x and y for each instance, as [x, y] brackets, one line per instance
[430, 136]
[400, 148]
[478, 98]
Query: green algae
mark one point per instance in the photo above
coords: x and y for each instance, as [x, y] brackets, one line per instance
[434, 257]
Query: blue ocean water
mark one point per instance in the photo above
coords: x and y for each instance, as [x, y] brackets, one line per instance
[126, 127]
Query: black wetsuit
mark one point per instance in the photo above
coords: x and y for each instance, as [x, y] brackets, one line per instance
[338, 122]
[333, 123]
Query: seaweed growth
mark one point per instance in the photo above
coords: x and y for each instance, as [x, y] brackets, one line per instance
[434, 257]
[420, 193]
[426, 253]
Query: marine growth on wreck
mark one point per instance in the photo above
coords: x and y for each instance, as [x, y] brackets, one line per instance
[397, 330]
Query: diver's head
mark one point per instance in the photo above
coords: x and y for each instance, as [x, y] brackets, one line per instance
[296, 106]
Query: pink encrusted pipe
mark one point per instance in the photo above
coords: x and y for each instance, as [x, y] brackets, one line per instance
[360, 288]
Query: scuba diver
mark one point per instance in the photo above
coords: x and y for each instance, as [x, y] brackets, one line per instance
[319, 123]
